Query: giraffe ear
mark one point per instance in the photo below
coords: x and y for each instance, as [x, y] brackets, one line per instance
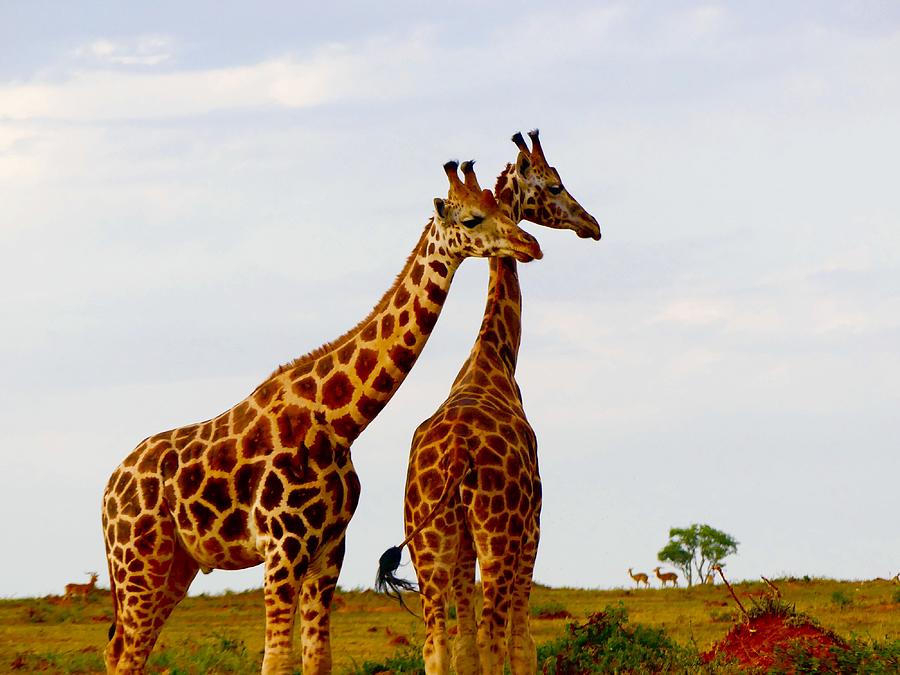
[523, 164]
[439, 206]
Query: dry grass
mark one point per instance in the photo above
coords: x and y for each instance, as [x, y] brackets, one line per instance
[68, 636]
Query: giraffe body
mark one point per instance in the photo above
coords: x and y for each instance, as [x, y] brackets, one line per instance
[271, 480]
[473, 488]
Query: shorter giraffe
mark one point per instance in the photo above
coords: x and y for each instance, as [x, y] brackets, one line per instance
[473, 489]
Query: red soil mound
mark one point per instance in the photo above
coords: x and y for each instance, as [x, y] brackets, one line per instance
[770, 638]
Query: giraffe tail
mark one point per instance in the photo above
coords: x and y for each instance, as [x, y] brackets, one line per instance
[386, 580]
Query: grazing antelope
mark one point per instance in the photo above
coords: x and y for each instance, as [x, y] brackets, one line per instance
[666, 576]
[84, 590]
[639, 578]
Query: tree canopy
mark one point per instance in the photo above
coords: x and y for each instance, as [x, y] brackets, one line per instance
[697, 548]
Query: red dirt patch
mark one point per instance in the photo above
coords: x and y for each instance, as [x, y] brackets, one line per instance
[399, 641]
[768, 638]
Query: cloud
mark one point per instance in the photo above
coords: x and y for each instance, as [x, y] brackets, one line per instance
[99, 94]
[146, 50]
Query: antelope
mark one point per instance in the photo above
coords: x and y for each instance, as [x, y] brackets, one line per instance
[639, 578]
[666, 576]
[84, 590]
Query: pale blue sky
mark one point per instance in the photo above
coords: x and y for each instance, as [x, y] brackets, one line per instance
[193, 194]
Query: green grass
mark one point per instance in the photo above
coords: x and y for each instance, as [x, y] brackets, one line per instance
[225, 633]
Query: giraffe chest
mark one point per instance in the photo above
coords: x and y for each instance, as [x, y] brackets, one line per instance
[228, 519]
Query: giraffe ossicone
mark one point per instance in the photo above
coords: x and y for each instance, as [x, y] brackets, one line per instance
[271, 480]
[473, 489]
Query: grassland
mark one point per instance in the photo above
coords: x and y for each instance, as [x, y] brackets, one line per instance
[225, 633]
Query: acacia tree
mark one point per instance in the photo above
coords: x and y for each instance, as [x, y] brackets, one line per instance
[697, 547]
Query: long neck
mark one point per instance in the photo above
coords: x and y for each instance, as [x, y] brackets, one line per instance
[501, 328]
[349, 380]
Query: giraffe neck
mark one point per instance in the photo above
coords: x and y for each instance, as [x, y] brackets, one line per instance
[349, 380]
[497, 346]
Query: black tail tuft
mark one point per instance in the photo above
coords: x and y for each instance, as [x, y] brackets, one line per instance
[111, 631]
[387, 582]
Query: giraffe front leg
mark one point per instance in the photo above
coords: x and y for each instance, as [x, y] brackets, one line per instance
[149, 574]
[281, 593]
[316, 593]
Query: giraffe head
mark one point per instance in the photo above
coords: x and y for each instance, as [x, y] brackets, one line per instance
[537, 189]
[473, 224]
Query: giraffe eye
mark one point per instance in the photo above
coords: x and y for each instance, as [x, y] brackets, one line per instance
[473, 221]
[554, 189]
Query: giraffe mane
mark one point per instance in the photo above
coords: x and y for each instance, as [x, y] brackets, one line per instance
[385, 299]
[501, 179]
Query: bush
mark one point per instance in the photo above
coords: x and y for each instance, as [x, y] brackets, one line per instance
[88, 660]
[406, 660]
[874, 658]
[607, 643]
[841, 600]
[218, 654]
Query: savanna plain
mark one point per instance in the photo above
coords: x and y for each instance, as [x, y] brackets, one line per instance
[224, 633]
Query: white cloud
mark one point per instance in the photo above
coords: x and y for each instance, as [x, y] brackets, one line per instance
[146, 50]
[334, 72]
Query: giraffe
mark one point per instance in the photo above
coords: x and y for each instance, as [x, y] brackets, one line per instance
[473, 488]
[271, 480]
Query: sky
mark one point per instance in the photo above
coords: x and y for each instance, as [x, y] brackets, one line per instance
[192, 194]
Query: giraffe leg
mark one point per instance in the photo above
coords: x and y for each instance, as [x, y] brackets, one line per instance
[434, 610]
[151, 577]
[316, 592]
[434, 556]
[465, 646]
[522, 650]
[281, 592]
[496, 583]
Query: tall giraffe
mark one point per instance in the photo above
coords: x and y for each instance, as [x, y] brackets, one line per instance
[473, 488]
[271, 480]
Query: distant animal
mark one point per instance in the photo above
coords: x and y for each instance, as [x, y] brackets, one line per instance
[666, 576]
[639, 578]
[83, 590]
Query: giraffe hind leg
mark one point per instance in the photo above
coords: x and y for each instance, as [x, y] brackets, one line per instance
[522, 649]
[465, 646]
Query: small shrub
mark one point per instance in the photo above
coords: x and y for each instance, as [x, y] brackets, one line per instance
[406, 660]
[840, 599]
[88, 660]
[218, 654]
[607, 643]
[896, 596]
[41, 611]
[769, 605]
[721, 617]
[858, 656]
